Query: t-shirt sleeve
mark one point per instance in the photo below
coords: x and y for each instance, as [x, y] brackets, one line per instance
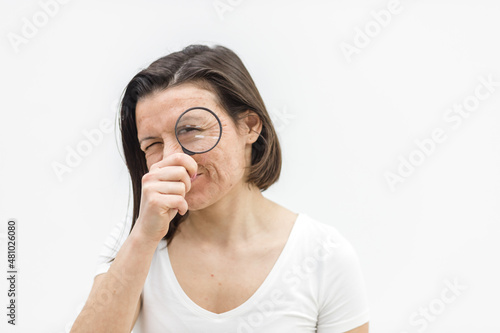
[343, 297]
[112, 245]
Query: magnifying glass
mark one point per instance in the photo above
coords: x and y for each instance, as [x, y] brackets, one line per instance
[198, 130]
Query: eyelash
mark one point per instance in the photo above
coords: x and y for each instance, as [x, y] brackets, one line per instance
[145, 149]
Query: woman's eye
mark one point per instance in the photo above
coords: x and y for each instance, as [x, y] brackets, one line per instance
[151, 145]
[187, 129]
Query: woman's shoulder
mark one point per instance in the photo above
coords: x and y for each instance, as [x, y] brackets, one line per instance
[319, 230]
[316, 239]
[334, 275]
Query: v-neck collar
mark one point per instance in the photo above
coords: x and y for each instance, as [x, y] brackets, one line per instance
[190, 304]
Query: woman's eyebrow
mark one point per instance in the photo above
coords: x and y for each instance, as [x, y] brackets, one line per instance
[147, 138]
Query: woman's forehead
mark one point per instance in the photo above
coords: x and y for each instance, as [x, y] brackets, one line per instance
[171, 102]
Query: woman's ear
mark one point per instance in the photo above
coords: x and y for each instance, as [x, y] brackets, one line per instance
[253, 126]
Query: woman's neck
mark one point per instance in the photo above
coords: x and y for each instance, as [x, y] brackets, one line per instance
[234, 220]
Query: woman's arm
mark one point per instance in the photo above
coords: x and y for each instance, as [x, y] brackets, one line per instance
[360, 329]
[114, 300]
[343, 296]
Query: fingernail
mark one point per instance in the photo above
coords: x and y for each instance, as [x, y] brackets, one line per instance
[193, 178]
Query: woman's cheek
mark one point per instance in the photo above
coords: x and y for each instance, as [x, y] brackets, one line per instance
[151, 159]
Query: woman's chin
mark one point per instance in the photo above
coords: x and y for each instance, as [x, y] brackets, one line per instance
[195, 202]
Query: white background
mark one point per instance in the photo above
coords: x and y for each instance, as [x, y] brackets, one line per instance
[343, 123]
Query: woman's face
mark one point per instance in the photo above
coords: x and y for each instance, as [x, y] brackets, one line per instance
[222, 169]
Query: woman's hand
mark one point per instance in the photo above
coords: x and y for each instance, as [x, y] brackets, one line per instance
[163, 194]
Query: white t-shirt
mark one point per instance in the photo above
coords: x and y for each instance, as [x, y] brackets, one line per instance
[316, 285]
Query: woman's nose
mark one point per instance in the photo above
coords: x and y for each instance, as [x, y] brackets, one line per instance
[171, 147]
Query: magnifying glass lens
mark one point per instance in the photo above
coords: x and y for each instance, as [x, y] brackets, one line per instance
[198, 130]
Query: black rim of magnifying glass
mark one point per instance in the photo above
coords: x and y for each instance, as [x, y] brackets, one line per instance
[187, 151]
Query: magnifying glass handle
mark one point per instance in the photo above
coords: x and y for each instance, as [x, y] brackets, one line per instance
[190, 153]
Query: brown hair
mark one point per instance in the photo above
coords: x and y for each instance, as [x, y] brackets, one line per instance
[220, 70]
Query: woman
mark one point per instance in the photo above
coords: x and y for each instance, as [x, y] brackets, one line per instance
[206, 251]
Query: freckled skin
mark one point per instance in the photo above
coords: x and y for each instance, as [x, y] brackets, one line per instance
[222, 168]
